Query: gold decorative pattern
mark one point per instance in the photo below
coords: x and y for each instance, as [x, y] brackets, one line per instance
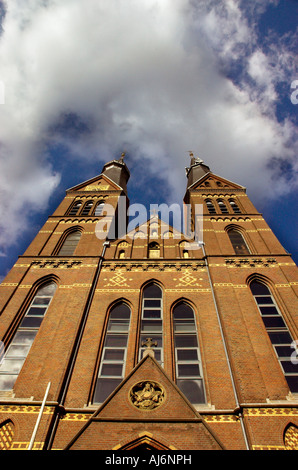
[221, 419]
[187, 290]
[267, 447]
[75, 286]
[25, 445]
[271, 412]
[6, 435]
[291, 438]
[147, 395]
[9, 284]
[24, 409]
[116, 290]
[187, 280]
[94, 187]
[154, 266]
[75, 417]
[118, 280]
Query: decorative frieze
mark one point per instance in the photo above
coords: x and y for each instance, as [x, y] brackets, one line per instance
[130, 266]
[56, 263]
[250, 262]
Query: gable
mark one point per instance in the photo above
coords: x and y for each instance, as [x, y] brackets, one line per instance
[153, 229]
[149, 401]
[213, 181]
[99, 183]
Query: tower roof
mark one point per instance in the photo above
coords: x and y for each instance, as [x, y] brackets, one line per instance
[196, 170]
[118, 172]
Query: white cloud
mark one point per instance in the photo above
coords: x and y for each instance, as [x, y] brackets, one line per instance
[146, 76]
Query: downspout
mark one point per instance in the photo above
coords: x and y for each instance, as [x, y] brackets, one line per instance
[75, 350]
[238, 408]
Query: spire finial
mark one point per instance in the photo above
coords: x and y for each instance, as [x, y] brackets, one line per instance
[121, 159]
[194, 160]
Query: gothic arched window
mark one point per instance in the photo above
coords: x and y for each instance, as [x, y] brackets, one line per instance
[278, 332]
[70, 243]
[21, 343]
[151, 322]
[75, 208]
[113, 358]
[238, 242]
[189, 375]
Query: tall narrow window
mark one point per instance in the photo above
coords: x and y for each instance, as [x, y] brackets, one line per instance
[238, 242]
[278, 332]
[154, 250]
[210, 207]
[187, 354]
[234, 206]
[111, 370]
[18, 350]
[75, 208]
[223, 207]
[151, 323]
[70, 243]
[99, 208]
[87, 207]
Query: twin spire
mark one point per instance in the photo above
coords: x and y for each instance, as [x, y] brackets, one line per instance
[118, 172]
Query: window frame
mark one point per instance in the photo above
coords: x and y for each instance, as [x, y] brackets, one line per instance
[26, 344]
[85, 211]
[103, 378]
[222, 206]
[275, 330]
[63, 241]
[100, 204]
[144, 334]
[234, 206]
[78, 203]
[233, 229]
[177, 348]
[210, 206]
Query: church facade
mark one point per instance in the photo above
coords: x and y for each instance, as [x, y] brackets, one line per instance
[147, 339]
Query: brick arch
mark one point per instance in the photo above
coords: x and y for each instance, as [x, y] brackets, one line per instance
[152, 281]
[64, 236]
[44, 280]
[260, 278]
[243, 233]
[143, 441]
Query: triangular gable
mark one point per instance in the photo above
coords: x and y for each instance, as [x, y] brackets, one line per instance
[98, 183]
[147, 392]
[148, 228]
[211, 177]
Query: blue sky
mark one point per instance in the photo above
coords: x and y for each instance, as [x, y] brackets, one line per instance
[86, 80]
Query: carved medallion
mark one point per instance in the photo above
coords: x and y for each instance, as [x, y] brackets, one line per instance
[147, 395]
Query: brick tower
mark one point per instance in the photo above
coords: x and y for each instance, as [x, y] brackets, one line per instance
[143, 339]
